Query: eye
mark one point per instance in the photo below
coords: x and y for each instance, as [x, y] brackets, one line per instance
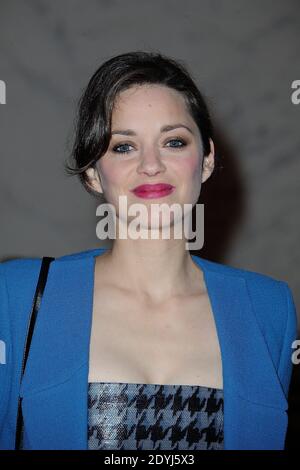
[121, 148]
[176, 143]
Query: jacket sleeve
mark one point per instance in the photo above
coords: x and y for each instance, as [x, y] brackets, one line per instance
[18, 279]
[5, 345]
[285, 366]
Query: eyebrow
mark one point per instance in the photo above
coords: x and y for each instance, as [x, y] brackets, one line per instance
[166, 128]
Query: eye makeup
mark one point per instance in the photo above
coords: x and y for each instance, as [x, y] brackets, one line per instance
[117, 148]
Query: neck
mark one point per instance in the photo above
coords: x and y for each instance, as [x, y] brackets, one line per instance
[153, 270]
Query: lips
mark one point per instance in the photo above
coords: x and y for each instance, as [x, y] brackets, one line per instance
[153, 187]
[153, 190]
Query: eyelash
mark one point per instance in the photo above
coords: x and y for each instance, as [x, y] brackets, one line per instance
[183, 144]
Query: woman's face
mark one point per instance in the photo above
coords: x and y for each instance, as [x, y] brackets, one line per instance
[154, 140]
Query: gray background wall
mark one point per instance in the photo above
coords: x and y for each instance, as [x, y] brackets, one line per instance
[244, 56]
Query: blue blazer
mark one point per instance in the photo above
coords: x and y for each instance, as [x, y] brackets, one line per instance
[256, 324]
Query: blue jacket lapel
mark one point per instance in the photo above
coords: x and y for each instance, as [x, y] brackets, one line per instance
[54, 388]
[254, 401]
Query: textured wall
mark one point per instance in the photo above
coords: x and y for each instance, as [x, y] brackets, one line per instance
[244, 55]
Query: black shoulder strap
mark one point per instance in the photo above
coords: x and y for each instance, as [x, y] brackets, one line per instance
[32, 318]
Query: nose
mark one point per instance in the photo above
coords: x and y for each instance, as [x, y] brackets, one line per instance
[150, 163]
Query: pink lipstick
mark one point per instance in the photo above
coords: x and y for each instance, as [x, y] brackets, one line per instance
[152, 191]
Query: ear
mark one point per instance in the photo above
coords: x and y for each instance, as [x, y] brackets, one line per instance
[208, 163]
[94, 180]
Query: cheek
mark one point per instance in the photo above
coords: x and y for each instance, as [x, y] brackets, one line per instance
[112, 177]
[189, 173]
[190, 168]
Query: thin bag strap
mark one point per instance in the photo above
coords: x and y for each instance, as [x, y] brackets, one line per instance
[32, 318]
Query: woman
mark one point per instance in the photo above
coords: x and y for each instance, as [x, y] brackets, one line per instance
[145, 346]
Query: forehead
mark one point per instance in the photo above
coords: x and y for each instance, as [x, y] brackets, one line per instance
[150, 98]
